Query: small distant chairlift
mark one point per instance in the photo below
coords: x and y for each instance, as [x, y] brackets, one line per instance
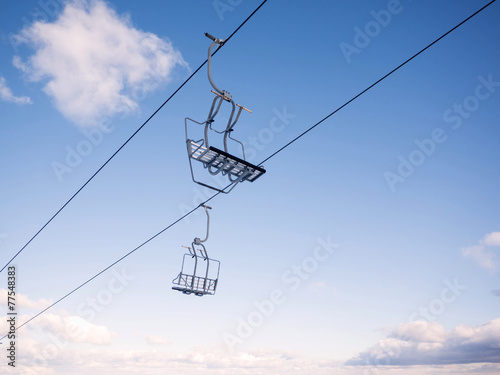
[196, 276]
[215, 160]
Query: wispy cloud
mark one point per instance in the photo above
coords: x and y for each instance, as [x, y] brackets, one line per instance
[58, 357]
[482, 253]
[422, 347]
[155, 340]
[95, 63]
[23, 302]
[193, 362]
[61, 329]
[73, 329]
[424, 343]
[7, 96]
[492, 239]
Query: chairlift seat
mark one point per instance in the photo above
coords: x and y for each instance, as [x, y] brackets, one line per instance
[221, 161]
[194, 284]
[196, 275]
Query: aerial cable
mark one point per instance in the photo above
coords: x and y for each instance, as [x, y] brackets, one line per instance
[129, 139]
[271, 156]
[375, 83]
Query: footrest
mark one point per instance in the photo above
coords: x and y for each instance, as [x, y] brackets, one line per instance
[188, 284]
[223, 162]
[189, 291]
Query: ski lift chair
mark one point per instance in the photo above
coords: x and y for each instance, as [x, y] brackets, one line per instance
[194, 277]
[199, 274]
[214, 159]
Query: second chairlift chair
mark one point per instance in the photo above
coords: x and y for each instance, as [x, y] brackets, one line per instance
[213, 159]
[196, 276]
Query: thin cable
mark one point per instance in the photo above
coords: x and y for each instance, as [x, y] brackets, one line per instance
[241, 25]
[216, 194]
[374, 84]
[129, 139]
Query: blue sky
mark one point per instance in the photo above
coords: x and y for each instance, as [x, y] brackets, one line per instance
[369, 246]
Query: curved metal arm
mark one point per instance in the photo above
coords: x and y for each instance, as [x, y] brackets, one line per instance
[197, 241]
[216, 41]
[230, 124]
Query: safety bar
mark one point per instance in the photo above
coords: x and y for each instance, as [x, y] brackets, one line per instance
[219, 95]
[246, 109]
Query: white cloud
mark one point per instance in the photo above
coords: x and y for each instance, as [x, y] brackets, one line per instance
[154, 340]
[193, 361]
[210, 361]
[62, 329]
[420, 331]
[481, 253]
[418, 348]
[57, 357]
[424, 343]
[95, 63]
[492, 239]
[74, 329]
[7, 95]
[481, 256]
[23, 302]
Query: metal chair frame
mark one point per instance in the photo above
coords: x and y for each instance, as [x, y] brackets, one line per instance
[215, 160]
[198, 281]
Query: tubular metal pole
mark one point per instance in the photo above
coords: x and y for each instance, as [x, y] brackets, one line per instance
[211, 116]
[208, 222]
[209, 69]
[195, 266]
[229, 126]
